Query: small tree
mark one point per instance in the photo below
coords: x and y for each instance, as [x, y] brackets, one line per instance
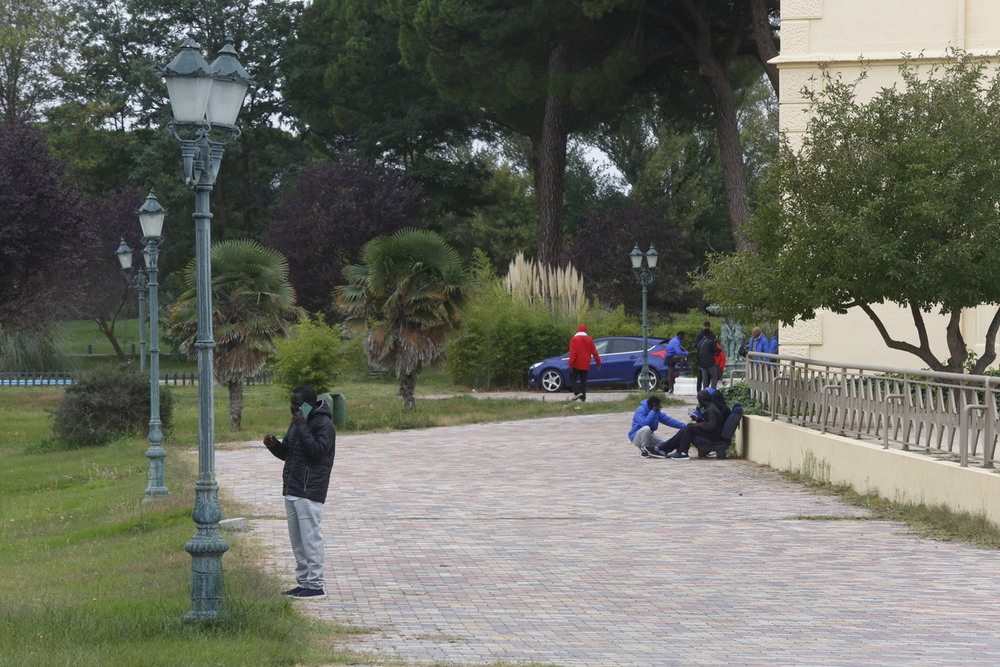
[407, 291]
[309, 356]
[894, 200]
[252, 304]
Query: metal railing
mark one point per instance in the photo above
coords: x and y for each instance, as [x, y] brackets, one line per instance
[59, 378]
[937, 413]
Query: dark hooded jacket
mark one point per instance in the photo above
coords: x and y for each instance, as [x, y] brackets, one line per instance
[307, 451]
[711, 415]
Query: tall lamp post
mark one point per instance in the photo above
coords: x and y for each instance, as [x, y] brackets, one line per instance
[136, 279]
[205, 99]
[644, 275]
[151, 216]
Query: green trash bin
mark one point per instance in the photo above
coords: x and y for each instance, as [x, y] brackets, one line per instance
[338, 406]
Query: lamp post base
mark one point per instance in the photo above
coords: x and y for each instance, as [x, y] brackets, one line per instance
[206, 549]
[156, 486]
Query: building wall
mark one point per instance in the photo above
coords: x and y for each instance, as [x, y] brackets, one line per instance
[841, 34]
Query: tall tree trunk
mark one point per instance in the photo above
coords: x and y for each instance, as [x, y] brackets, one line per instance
[108, 329]
[235, 388]
[763, 35]
[407, 385]
[957, 348]
[548, 164]
[730, 150]
[713, 67]
[990, 355]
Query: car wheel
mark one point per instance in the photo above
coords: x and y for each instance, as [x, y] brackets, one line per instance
[552, 380]
[654, 380]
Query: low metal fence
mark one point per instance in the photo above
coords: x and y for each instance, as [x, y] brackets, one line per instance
[39, 378]
[60, 378]
[945, 413]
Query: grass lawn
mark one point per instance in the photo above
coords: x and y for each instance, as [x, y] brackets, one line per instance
[92, 576]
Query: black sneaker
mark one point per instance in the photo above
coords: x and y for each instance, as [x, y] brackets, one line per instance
[309, 594]
[293, 592]
[678, 456]
[655, 453]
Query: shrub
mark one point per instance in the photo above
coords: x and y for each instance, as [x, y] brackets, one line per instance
[500, 342]
[690, 323]
[503, 335]
[740, 393]
[107, 404]
[310, 356]
[33, 350]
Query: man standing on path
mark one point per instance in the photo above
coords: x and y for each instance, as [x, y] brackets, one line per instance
[706, 361]
[581, 349]
[307, 451]
[706, 328]
[675, 356]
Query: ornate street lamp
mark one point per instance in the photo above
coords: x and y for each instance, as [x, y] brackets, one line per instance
[644, 275]
[136, 279]
[151, 216]
[205, 99]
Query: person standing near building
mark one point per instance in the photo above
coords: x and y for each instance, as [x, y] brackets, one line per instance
[758, 341]
[307, 451]
[706, 361]
[581, 349]
[675, 356]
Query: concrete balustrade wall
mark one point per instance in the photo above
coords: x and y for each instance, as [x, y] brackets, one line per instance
[902, 476]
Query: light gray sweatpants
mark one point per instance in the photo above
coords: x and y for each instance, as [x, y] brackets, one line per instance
[304, 519]
[645, 437]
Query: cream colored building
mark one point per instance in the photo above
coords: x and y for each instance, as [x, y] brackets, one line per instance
[841, 34]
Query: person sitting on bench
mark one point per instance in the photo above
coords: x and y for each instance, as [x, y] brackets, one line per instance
[704, 430]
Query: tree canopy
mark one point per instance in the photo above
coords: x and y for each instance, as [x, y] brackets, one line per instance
[43, 243]
[539, 69]
[893, 200]
[329, 214]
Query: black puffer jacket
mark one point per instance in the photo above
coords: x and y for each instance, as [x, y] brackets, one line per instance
[307, 451]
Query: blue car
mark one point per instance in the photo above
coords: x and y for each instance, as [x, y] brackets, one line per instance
[621, 358]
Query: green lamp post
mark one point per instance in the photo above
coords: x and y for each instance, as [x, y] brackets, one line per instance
[205, 100]
[136, 279]
[151, 216]
[643, 266]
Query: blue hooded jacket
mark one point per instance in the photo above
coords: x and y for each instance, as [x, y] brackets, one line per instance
[645, 416]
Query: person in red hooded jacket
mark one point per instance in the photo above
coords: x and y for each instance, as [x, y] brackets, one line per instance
[581, 349]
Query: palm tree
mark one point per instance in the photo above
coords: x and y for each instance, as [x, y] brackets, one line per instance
[407, 291]
[252, 304]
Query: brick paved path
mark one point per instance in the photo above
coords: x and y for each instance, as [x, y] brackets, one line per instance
[551, 541]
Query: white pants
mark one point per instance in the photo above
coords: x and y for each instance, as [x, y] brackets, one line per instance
[304, 518]
[645, 437]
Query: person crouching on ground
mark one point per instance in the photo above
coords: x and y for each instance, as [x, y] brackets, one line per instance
[648, 416]
[307, 451]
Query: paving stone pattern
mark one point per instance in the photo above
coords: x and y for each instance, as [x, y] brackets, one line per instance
[553, 542]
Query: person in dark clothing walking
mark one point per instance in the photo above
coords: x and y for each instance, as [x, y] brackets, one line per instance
[307, 450]
[706, 361]
[698, 339]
